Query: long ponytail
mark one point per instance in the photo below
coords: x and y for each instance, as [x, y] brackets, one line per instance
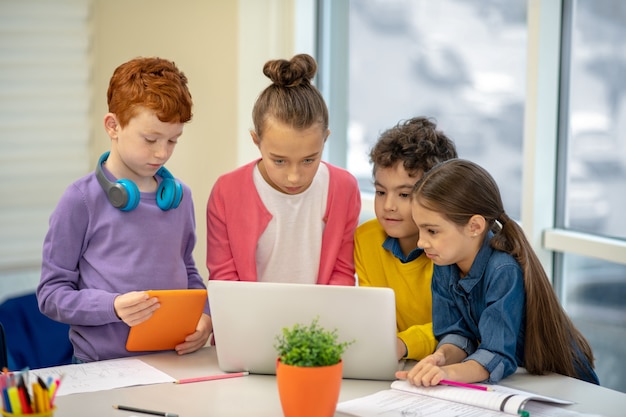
[459, 189]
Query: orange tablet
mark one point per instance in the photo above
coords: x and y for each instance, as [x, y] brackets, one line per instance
[177, 318]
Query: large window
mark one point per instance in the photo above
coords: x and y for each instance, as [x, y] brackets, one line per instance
[596, 113]
[459, 62]
[547, 128]
[594, 148]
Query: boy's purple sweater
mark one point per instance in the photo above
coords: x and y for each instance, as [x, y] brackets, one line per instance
[94, 252]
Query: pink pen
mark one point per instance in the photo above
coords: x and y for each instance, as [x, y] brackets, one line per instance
[212, 377]
[464, 385]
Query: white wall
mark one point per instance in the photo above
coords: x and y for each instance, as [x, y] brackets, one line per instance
[221, 46]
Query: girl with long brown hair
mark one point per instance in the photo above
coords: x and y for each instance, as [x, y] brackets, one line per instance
[494, 308]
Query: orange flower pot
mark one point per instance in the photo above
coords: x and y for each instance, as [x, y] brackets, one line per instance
[308, 391]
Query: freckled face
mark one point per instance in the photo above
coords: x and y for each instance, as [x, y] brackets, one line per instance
[290, 157]
[141, 147]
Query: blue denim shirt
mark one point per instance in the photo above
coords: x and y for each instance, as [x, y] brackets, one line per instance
[483, 313]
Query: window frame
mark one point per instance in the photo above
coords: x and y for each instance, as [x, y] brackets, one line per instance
[545, 132]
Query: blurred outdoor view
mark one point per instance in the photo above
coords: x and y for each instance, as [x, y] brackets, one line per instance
[463, 63]
[596, 193]
[594, 291]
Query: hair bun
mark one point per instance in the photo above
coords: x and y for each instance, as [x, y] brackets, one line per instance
[299, 70]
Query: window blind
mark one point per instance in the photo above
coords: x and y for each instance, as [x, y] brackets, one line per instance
[44, 123]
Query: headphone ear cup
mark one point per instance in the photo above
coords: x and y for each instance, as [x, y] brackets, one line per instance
[169, 194]
[122, 194]
[131, 192]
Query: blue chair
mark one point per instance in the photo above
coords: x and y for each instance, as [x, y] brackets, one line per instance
[4, 358]
[32, 339]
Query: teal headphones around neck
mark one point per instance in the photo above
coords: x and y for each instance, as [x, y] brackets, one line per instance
[124, 194]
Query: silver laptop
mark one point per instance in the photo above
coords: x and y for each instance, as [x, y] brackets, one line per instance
[247, 317]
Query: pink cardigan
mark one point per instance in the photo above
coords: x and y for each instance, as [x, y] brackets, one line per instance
[236, 218]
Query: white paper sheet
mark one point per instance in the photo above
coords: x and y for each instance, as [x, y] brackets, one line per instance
[102, 375]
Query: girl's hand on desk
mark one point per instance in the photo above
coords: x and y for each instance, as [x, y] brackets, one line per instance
[427, 371]
[135, 307]
[426, 374]
[197, 339]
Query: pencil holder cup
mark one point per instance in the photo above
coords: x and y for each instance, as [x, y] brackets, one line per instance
[49, 413]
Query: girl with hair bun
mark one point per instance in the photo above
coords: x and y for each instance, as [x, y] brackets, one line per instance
[287, 216]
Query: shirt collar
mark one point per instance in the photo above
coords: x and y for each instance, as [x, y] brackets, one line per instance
[392, 244]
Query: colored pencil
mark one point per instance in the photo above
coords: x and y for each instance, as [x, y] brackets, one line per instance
[464, 385]
[212, 377]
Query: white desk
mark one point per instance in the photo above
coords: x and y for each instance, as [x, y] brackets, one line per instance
[257, 395]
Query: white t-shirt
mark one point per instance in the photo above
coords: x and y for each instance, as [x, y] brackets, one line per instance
[289, 248]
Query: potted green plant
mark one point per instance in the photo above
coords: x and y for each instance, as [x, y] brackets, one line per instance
[308, 369]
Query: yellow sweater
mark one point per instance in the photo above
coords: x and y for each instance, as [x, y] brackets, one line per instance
[377, 267]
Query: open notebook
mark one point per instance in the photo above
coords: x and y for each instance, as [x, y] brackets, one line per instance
[441, 400]
[247, 317]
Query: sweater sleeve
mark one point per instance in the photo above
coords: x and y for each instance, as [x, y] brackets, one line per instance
[419, 340]
[347, 206]
[360, 255]
[59, 294]
[219, 258]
